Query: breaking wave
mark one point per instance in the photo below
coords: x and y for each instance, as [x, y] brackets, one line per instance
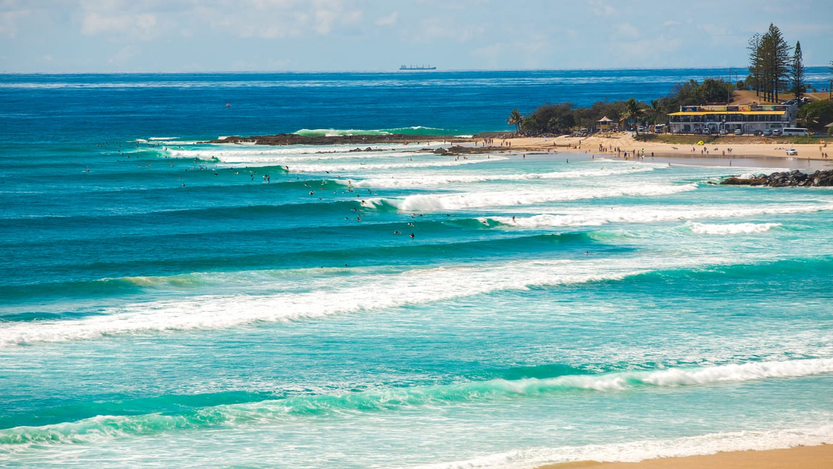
[439, 180]
[474, 200]
[621, 214]
[730, 228]
[106, 427]
[414, 130]
[326, 296]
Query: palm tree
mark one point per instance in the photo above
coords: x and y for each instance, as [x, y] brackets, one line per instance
[633, 112]
[516, 119]
[807, 119]
[656, 110]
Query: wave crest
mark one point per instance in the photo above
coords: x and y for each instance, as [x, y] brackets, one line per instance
[380, 400]
[731, 228]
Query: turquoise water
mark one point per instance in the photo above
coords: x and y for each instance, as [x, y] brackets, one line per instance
[174, 309]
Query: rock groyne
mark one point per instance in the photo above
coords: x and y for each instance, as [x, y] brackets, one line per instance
[794, 178]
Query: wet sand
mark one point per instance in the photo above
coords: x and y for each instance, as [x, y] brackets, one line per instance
[803, 457]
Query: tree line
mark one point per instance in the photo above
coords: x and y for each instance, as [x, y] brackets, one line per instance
[774, 66]
[561, 118]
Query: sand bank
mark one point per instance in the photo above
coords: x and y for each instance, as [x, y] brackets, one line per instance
[804, 457]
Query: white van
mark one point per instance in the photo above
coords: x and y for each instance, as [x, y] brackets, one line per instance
[796, 131]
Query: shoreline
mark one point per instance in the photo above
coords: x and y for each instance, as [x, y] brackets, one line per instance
[626, 143]
[805, 457]
[615, 145]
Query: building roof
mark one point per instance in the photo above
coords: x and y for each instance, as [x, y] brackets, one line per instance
[605, 119]
[742, 113]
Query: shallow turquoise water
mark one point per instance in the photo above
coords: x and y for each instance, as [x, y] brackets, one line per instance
[174, 309]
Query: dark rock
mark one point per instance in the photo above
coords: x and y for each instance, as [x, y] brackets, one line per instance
[794, 178]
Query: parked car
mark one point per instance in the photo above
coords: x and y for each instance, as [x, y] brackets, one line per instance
[767, 133]
[738, 132]
[724, 132]
[776, 133]
[819, 134]
[792, 152]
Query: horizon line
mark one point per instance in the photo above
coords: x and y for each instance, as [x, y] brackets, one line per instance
[390, 71]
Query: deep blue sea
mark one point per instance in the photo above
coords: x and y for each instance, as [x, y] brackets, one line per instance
[164, 303]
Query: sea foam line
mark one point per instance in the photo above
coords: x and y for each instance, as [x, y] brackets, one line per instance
[476, 200]
[342, 295]
[621, 214]
[439, 180]
[107, 427]
[325, 296]
[362, 167]
[636, 451]
[338, 296]
[730, 228]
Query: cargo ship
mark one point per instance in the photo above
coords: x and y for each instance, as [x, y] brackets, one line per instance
[411, 68]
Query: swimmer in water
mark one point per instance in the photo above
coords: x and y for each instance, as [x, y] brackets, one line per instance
[412, 235]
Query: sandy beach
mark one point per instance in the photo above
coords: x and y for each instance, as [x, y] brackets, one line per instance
[609, 142]
[804, 457]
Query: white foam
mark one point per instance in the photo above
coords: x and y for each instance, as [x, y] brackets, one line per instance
[441, 180]
[731, 228]
[472, 200]
[292, 155]
[636, 451]
[674, 377]
[739, 372]
[361, 167]
[312, 298]
[340, 132]
[653, 214]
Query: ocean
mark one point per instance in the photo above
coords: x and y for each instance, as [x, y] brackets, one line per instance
[165, 303]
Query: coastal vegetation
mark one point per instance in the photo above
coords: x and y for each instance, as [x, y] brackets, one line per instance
[775, 68]
[816, 115]
[515, 119]
[797, 72]
[769, 63]
[561, 118]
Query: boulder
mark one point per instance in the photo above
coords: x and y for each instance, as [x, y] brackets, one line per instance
[794, 178]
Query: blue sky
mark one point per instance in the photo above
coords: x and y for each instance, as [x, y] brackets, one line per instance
[376, 35]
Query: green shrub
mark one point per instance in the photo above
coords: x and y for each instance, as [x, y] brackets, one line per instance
[816, 115]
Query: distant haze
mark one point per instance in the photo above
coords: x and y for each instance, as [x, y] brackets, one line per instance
[375, 35]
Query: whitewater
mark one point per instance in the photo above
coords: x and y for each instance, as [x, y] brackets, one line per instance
[175, 303]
